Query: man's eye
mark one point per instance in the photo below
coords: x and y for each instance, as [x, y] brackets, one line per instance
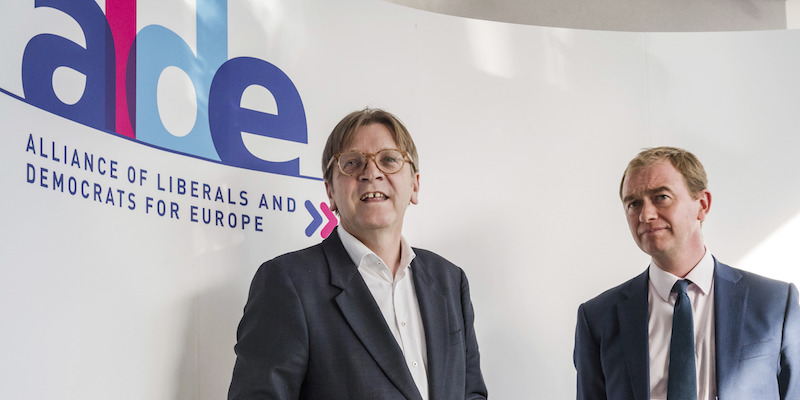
[633, 204]
[354, 163]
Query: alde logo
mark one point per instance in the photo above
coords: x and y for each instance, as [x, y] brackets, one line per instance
[122, 69]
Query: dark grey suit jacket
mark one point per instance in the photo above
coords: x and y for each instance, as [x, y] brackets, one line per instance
[757, 339]
[312, 330]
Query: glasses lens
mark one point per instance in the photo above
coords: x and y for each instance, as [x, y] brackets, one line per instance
[390, 161]
[352, 162]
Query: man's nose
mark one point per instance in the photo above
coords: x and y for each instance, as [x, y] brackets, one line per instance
[371, 170]
[648, 212]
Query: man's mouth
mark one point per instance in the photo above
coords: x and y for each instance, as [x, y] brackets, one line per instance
[374, 196]
[652, 230]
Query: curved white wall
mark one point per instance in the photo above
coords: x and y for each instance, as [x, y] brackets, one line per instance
[523, 134]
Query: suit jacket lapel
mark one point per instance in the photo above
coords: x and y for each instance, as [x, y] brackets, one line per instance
[433, 309]
[633, 316]
[364, 317]
[730, 302]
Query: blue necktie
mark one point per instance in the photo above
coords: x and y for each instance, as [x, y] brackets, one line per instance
[682, 379]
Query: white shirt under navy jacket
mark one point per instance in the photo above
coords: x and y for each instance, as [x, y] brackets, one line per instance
[661, 302]
[397, 300]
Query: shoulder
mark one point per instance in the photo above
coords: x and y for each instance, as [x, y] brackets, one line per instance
[294, 264]
[310, 253]
[435, 264]
[632, 288]
[758, 286]
[432, 258]
[438, 273]
[747, 277]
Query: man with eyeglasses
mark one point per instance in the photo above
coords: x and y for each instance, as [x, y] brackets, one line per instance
[362, 315]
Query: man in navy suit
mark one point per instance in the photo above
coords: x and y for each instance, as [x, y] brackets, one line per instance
[746, 328]
[362, 315]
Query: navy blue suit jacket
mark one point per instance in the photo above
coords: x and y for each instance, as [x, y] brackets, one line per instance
[312, 330]
[757, 339]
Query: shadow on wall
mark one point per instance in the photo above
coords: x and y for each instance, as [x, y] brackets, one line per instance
[206, 364]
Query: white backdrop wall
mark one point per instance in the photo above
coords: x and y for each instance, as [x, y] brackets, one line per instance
[523, 134]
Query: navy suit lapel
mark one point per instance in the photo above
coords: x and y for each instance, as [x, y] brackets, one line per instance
[364, 317]
[433, 309]
[633, 316]
[730, 302]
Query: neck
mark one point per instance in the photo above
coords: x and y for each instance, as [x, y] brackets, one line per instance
[385, 245]
[681, 264]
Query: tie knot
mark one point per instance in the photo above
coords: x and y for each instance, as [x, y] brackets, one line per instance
[680, 286]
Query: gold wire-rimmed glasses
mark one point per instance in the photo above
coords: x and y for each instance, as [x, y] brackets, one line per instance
[388, 161]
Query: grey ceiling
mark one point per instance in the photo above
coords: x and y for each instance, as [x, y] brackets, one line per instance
[621, 15]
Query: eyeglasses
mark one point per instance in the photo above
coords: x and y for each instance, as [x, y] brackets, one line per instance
[388, 161]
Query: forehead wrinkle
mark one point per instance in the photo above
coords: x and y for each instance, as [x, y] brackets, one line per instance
[646, 191]
[359, 129]
[364, 152]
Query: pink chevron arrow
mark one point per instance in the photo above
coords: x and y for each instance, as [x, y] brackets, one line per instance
[332, 220]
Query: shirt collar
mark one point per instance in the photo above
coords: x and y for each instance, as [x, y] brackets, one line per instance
[702, 276]
[359, 251]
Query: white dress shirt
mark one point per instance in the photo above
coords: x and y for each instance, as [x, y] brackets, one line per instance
[661, 302]
[397, 299]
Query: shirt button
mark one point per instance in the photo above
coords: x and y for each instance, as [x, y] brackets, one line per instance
[414, 363]
[403, 323]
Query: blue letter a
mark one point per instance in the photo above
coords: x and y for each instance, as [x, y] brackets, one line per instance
[47, 52]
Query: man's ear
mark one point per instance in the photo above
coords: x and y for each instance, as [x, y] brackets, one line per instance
[705, 205]
[329, 191]
[415, 188]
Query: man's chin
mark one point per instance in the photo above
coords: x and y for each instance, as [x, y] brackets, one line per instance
[652, 249]
[375, 224]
